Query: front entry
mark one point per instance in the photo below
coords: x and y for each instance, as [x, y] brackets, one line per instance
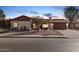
[45, 26]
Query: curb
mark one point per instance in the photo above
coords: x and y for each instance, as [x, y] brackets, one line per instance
[33, 37]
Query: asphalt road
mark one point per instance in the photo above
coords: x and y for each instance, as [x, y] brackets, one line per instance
[39, 45]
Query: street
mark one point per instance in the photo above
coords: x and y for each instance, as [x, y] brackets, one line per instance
[39, 45]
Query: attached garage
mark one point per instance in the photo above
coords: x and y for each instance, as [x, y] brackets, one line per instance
[59, 26]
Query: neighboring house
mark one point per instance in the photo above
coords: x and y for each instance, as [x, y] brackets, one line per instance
[21, 23]
[76, 24]
[25, 22]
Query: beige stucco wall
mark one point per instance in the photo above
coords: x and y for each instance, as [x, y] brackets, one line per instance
[26, 24]
[51, 26]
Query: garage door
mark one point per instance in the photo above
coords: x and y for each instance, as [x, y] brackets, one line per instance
[59, 26]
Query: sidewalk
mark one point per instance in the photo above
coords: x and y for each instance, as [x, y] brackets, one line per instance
[39, 36]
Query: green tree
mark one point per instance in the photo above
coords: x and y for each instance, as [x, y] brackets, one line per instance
[2, 19]
[71, 13]
[2, 15]
[37, 20]
[2, 24]
[8, 24]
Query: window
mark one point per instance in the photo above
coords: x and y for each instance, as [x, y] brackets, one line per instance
[15, 24]
[45, 25]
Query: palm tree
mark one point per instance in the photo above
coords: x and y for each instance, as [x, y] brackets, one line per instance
[71, 13]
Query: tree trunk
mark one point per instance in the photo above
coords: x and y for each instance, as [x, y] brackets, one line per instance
[74, 25]
[37, 27]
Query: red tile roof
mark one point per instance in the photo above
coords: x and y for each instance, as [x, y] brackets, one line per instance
[21, 18]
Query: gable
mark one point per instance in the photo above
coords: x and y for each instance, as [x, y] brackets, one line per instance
[21, 18]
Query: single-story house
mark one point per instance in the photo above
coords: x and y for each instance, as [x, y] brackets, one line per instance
[25, 22]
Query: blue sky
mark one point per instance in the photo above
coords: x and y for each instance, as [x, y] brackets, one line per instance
[14, 11]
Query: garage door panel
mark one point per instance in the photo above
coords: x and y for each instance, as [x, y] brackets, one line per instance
[59, 26]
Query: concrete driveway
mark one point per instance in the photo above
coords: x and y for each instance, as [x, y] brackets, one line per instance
[70, 33]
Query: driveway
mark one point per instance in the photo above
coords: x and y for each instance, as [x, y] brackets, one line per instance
[70, 33]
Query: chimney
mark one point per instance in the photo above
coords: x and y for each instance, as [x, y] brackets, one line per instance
[50, 17]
